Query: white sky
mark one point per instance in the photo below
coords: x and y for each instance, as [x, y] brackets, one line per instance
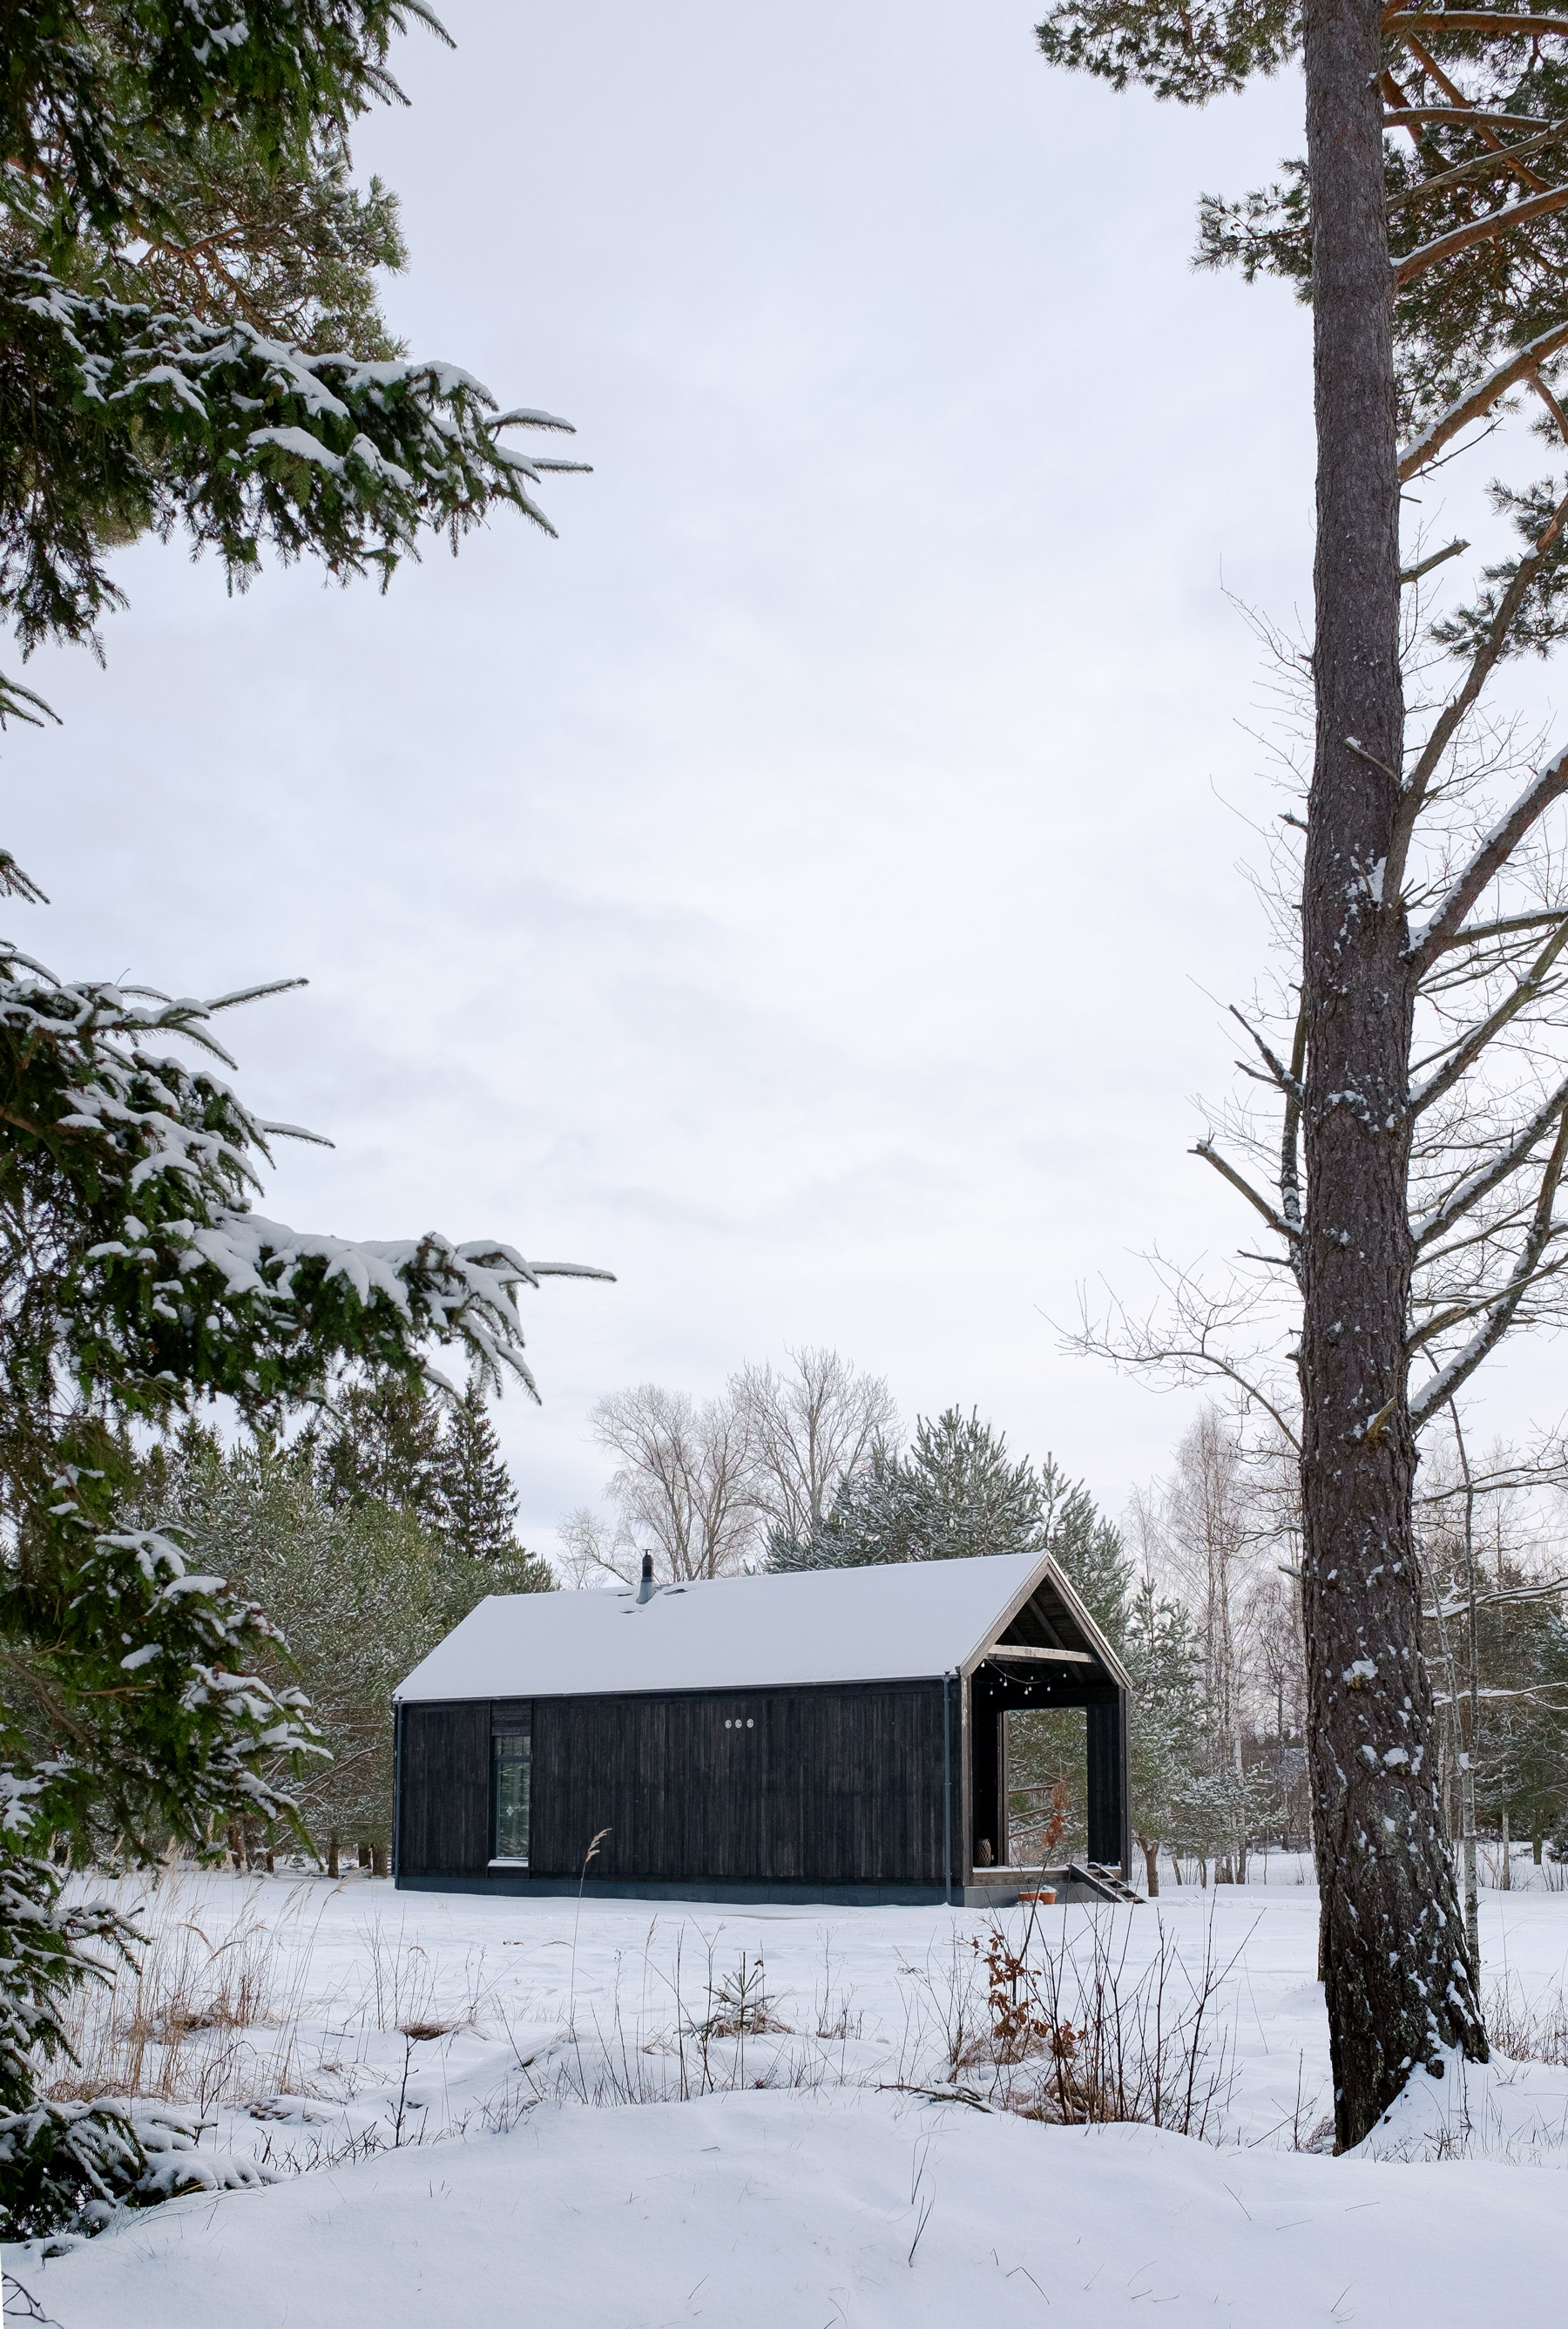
[809, 887]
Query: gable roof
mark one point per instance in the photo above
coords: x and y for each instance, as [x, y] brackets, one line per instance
[889, 1623]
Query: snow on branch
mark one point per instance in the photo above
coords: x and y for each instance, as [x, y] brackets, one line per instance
[243, 441]
[467, 1292]
[1499, 1313]
[1466, 1194]
[182, 1283]
[1482, 230]
[1478, 401]
[1444, 929]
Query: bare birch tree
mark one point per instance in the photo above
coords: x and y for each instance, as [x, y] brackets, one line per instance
[1419, 1073]
[811, 1428]
[683, 1490]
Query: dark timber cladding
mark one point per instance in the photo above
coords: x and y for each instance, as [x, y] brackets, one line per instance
[804, 1787]
[703, 1736]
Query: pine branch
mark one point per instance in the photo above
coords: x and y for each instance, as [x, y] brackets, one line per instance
[1500, 1318]
[1478, 401]
[1405, 117]
[1444, 929]
[1467, 1193]
[1460, 238]
[1498, 157]
[1399, 23]
[1275, 1219]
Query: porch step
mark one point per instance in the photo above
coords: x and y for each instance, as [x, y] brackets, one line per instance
[1105, 1883]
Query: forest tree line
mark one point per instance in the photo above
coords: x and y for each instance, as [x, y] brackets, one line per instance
[372, 1533]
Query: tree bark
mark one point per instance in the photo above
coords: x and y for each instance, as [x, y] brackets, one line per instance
[1400, 1979]
[1152, 1869]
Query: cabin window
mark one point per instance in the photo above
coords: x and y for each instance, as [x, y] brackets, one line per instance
[511, 1767]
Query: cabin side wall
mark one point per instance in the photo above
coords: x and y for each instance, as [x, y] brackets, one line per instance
[831, 1786]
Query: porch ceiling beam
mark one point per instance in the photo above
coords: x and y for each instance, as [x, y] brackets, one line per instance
[1041, 1657]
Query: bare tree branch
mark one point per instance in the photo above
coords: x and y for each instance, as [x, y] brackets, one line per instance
[1275, 1217]
[1469, 1050]
[1467, 1193]
[1442, 930]
[1408, 574]
[1507, 925]
[1500, 1316]
[1482, 662]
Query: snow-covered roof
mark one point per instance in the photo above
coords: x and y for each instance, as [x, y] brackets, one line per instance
[744, 1633]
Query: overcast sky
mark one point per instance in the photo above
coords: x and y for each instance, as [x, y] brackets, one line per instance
[807, 887]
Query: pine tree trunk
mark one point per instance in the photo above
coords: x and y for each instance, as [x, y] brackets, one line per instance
[1401, 1982]
[1152, 1869]
[333, 1854]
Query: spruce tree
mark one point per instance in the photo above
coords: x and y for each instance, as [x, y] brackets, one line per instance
[477, 1503]
[955, 1495]
[189, 338]
[138, 1278]
[381, 1444]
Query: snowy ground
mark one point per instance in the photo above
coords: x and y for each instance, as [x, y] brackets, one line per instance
[487, 2104]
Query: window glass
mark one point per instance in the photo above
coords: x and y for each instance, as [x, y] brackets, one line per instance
[510, 1755]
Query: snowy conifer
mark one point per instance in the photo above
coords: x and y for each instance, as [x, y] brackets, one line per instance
[954, 1494]
[477, 1503]
[138, 1280]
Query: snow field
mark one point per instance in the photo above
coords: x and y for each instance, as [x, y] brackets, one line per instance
[802, 2211]
[449, 2076]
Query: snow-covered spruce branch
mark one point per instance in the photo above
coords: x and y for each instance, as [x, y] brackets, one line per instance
[243, 441]
[183, 1283]
[458, 1292]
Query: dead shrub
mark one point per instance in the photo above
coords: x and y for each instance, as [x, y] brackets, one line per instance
[1076, 2035]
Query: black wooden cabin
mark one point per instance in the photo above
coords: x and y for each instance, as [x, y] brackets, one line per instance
[836, 1735]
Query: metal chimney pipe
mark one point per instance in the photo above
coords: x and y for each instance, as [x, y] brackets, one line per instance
[646, 1591]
